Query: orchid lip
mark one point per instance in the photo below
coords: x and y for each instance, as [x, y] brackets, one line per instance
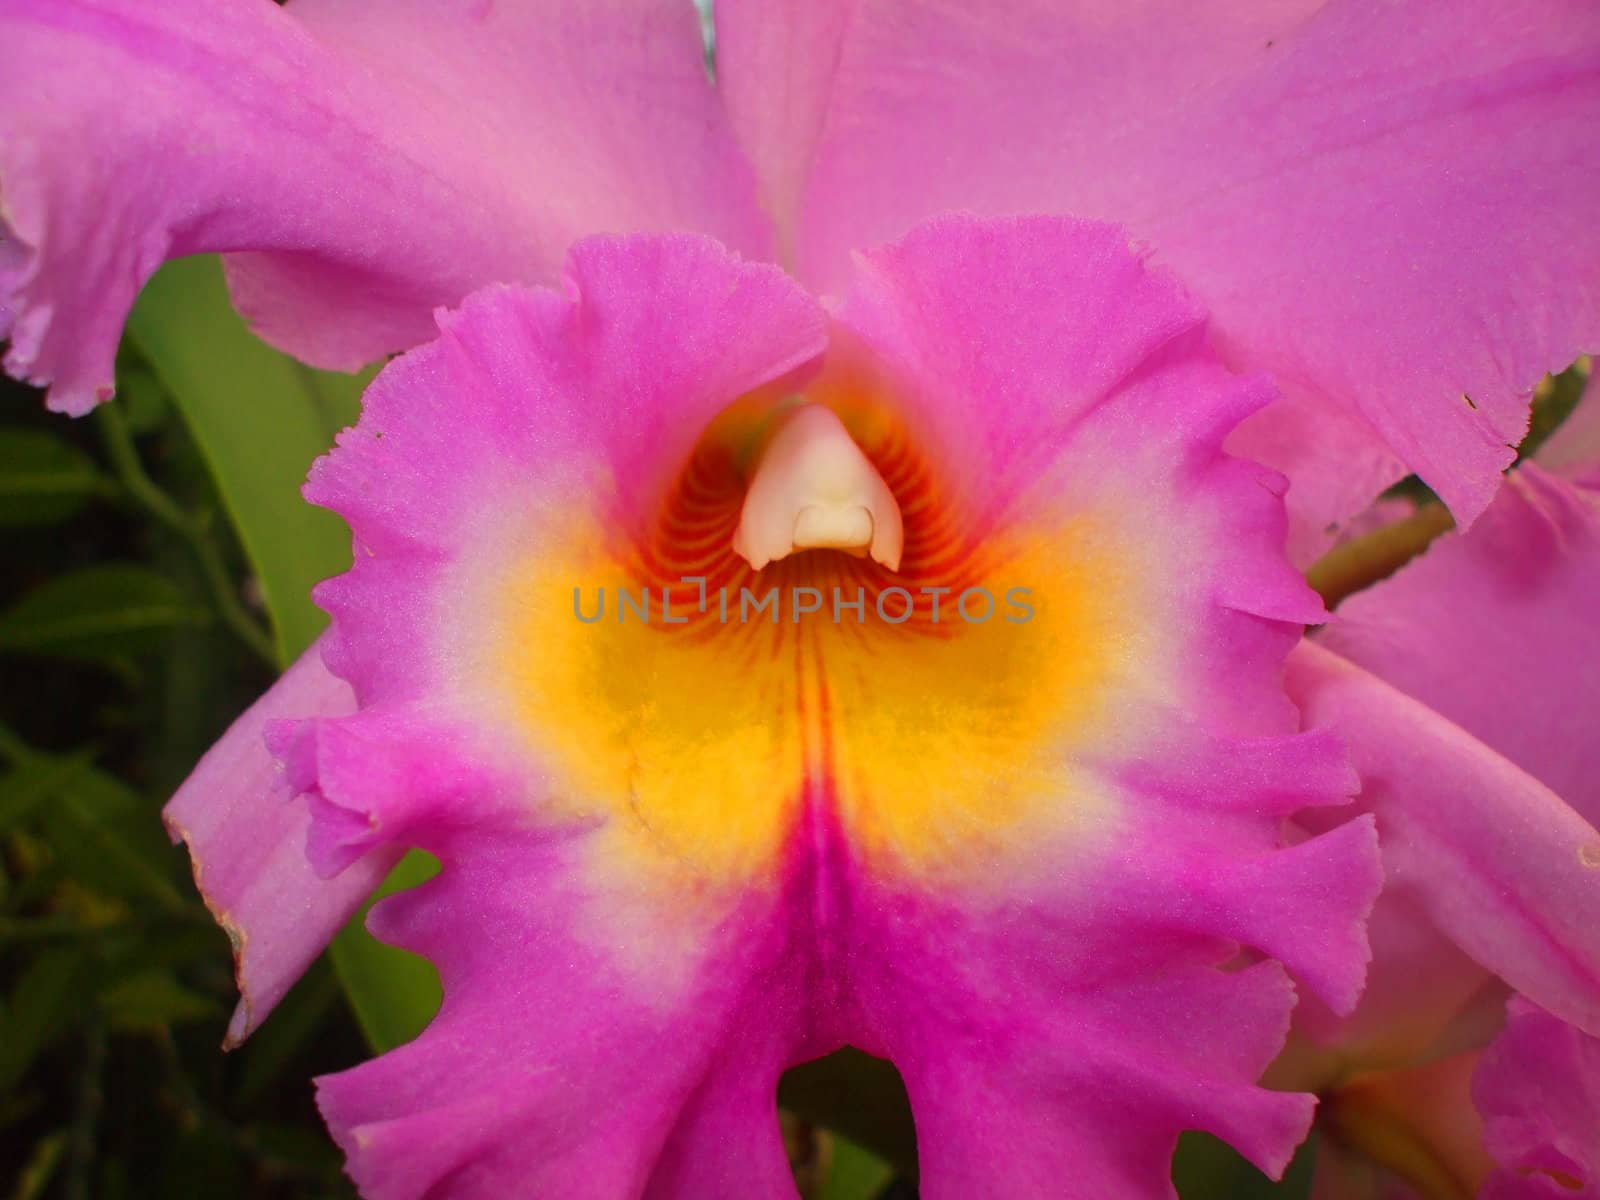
[813, 488]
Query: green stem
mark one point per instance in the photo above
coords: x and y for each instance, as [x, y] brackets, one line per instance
[1364, 561]
[194, 532]
[12, 748]
[86, 1117]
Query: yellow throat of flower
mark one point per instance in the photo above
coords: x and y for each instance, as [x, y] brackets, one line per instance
[811, 624]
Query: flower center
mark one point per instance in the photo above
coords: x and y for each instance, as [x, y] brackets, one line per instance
[812, 489]
[919, 679]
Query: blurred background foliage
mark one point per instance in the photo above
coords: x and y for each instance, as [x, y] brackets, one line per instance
[158, 566]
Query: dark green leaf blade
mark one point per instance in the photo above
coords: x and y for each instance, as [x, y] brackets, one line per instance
[41, 1006]
[43, 480]
[145, 1000]
[100, 613]
[111, 840]
[1206, 1168]
[260, 418]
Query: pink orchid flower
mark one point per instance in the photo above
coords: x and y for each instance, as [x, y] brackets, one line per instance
[1033, 855]
[1037, 859]
[1537, 1091]
[1466, 690]
[1376, 203]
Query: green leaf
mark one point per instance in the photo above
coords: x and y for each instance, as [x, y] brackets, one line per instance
[857, 1095]
[152, 999]
[143, 397]
[853, 1173]
[33, 780]
[259, 419]
[394, 993]
[43, 479]
[40, 1167]
[105, 834]
[111, 840]
[1206, 1168]
[100, 613]
[40, 1008]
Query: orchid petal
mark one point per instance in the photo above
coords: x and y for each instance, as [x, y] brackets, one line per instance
[1026, 863]
[1495, 630]
[1380, 205]
[595, 365]
[1537, 1088]
[568, 1060]
[247, 838]
[549, 1068]
[1477, 644]
[366, 166]
[1423, 995]
[596, 1038]
[1502, 865]
[1049, 371]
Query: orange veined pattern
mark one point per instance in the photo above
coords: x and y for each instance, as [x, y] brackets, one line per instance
[701, 735]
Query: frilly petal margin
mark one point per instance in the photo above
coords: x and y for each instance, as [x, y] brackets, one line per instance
[611, 394]
[1537, 1089]
[553, 1068]
[1064, 991]
[246, 833]
[1387, 207]
[329, 145]
[1501, 864]
[592, 1042]
[1042, 355]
